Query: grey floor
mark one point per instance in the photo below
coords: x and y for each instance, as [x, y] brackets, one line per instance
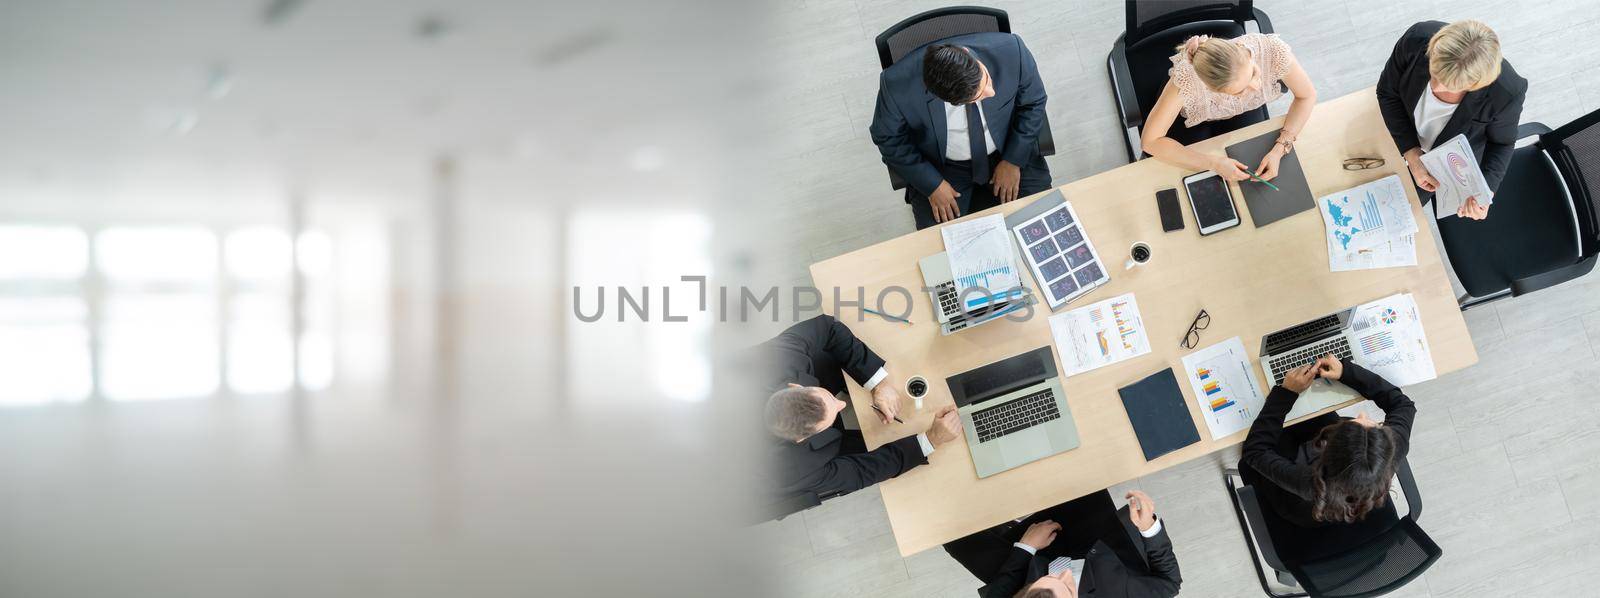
[1507, 453]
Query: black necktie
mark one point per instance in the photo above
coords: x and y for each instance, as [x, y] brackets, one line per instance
[980, 150]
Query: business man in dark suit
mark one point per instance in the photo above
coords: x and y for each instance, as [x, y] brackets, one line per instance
[1445, 80]
[812, 455]
[1100, 551]
[960, 123]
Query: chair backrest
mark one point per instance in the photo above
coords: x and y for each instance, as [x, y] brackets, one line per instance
[1575, 148]
[1154, 16]
[914, 32]
[1375, 568]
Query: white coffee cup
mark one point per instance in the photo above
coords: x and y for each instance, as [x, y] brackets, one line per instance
[1139, 255]
[912, 384]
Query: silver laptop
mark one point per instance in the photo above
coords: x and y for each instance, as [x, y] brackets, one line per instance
[1013, 411]
[1304, 343]
[947, 298]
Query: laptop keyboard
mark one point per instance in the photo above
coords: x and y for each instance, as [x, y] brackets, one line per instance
[1018, 414]
[1294, 336]
[1281, 364]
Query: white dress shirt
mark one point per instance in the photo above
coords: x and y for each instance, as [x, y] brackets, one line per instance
[1076, 565]
[922, 438]
[956, 145]
[1431, 114]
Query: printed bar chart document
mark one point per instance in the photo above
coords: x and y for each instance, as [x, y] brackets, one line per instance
[1456, 169]
[1225, 387]
[1369, 226]
[1099, 334]
[980, 258]
[1388, 339]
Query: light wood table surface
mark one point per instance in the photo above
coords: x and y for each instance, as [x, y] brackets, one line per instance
[1252, 281]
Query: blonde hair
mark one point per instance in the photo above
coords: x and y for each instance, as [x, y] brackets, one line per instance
[1215, 60]
[1464, 55]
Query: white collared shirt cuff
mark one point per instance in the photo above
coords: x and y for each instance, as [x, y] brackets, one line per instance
[875, 379]
[1154, 529]
[927, 447]
[1026, 547]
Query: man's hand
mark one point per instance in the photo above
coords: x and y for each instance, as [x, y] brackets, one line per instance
[1006, 178]
[1041, 534]
[1299, 379]
[1269, 163]
[943, 202]
[886, 399]
[1472, 209]
[1330, 367]
[1419, 173]
[1229, 168]
[1141, 510]
[946, 426]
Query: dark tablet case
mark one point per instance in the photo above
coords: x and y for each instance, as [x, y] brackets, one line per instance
[1268, 206]
[1160, 419]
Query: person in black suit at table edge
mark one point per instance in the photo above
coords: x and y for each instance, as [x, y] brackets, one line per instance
[811, 451]
[1444, 80]
[960, 124]
[1327, 470]
[1096, 554]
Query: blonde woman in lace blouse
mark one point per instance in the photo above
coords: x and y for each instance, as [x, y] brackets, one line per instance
[1214, 79]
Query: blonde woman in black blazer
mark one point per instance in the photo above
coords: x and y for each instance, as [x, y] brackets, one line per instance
[1453, 77]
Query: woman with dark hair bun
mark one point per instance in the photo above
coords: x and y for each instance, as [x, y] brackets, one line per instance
[1330, 469]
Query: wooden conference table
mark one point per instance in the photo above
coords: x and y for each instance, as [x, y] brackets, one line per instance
[1252, 281]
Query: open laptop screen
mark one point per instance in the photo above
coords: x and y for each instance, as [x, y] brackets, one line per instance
[998, 378]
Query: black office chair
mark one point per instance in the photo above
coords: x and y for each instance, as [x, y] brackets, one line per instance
[1542, 229]
[913, 33]
[1141, 56]
[1373, 558]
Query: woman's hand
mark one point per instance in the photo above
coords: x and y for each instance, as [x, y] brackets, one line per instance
[1299, 379]
[1229, 168]
[1421, 176]
[1269, 163]
[1472, 209]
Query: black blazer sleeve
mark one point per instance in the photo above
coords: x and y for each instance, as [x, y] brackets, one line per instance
[848, 473]
[1398, 410]
[826, 335]
[1027, 117]
[1502, 130]
[892, 134]
[1260, 445]
[1164, 578]
[1392, 105]
[1012, 576]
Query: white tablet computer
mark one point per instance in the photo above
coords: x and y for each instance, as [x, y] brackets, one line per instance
[1211, 201]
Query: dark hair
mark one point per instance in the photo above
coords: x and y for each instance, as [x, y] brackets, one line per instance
[951, 73]
[1039, 593]
[1351, 475]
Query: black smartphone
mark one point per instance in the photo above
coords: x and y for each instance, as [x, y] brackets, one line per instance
[1171, 213]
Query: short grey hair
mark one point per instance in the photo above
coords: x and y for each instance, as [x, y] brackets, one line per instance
[793, 413]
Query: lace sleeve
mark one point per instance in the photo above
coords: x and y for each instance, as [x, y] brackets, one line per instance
[1190, 90]
[1278, 56]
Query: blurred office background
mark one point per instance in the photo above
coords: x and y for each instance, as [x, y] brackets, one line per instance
[285, 290]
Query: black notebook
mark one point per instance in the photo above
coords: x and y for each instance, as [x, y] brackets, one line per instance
[1267, 206]
[1161, 420]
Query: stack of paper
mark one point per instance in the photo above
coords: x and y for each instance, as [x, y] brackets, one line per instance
[1100, 334]
[980, 258]
[1389, 340]
[1453, 165]
[1369, 226]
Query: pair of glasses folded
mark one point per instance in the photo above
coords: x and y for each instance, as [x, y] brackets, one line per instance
[1192, 338]
[1363, 163]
